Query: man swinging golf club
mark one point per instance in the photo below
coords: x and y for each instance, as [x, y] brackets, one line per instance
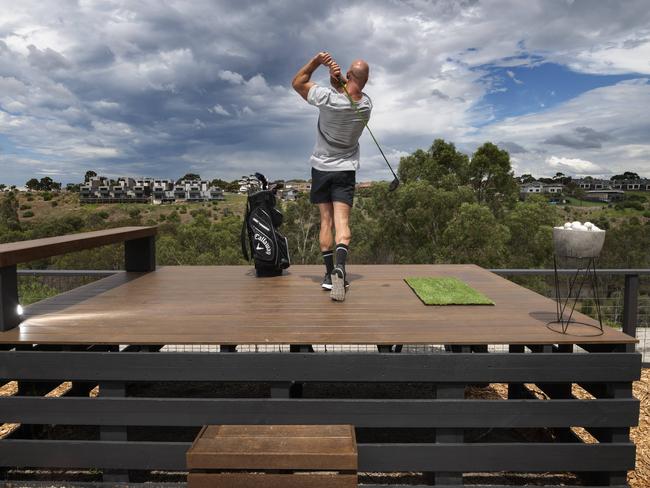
[344, 112]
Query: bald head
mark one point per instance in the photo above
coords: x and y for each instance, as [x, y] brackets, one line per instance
[359, 71]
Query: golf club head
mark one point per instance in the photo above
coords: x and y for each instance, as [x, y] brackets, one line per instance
[393, 185]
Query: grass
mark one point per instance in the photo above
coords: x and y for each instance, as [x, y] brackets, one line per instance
[446, 291]
[68, 203]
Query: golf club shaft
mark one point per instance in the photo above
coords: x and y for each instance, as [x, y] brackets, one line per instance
[365, 121]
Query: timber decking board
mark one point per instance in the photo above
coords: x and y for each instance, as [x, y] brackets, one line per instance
[24, 251]
[228, 305]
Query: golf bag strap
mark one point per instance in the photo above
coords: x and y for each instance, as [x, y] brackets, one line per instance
[245, 241]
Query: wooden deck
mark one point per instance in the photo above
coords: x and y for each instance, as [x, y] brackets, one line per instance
[228, 305]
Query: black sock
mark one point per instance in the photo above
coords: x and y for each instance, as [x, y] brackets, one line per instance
[328, 259]
[341, 255]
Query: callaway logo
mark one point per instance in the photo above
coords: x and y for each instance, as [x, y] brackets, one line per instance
[262, 240]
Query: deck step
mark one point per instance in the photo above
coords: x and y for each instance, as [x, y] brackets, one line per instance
[291, 456]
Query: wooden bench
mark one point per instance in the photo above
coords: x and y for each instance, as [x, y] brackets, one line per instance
[139, 255]
[273, 456]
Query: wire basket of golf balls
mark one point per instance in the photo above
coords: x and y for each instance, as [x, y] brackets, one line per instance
[578, 240]
[580, 245]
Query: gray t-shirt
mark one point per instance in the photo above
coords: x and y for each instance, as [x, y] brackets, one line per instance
[338, 130]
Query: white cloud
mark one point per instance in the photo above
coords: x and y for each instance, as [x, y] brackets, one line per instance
[218, 109]
[575, 166]
[118, 85]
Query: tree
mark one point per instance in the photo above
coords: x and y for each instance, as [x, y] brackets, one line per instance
[33, 184]
[431, 166]
[628, 175]
[406, 226]
[47, 184]
[492, 177]
[531, 228]
[475, 236]
[89, 174]
[219, 183]
[2, 187]
[526, 178]
[189, 177]
[301, 227]
[9, 212]
[233, 186]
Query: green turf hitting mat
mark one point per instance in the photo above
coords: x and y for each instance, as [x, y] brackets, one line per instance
[446, 291]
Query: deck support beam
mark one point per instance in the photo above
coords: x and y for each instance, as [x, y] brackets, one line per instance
[140, 254]
[449, 435]
[113, 389]
[9, 317]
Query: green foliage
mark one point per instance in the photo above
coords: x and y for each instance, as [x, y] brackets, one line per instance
[54, 203]
[440, 160]
[202, 242]
[25, 207]
[31, 289]
[9, 212]
[626, 246]
[531, 228]
[405, 226]
[47, 196]
[301, 226]
[492, 177]
[28, 214]
[189, 177]
[103, 214]
[475, 236]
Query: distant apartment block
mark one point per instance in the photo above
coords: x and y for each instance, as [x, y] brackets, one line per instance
[541, 188]
[592, 184]
[147, 190]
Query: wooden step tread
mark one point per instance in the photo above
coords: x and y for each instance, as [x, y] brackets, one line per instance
[293, 447]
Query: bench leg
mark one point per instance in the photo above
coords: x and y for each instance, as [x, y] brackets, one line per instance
[9, 317]
[140, 254]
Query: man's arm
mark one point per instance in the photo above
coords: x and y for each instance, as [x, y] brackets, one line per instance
[302, 81]
[335, 77]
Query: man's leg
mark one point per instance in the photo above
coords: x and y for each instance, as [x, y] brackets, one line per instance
[343, 236]
[327, 241]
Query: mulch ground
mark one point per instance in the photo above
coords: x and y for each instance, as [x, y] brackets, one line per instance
[639, 478]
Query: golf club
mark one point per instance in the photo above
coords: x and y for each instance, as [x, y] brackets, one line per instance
[395, 183]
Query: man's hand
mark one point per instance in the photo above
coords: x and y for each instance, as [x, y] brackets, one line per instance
[324, 58]
[335, 70]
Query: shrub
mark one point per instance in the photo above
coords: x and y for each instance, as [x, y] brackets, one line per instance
[54, 203]
[30, 198]
[103, 214]
[25, 207]
[134, 213]
[28, 214]
[47, 196]
[646, 214]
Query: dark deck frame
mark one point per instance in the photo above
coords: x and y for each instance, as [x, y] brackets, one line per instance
[604, 369]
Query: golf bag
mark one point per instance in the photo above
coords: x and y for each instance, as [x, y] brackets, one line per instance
[268, 248]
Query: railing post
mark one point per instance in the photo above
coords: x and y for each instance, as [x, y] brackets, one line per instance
[9, 317]
[630, 304]
[140, 254]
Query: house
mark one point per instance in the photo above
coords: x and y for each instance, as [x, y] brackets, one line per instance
[605, 196]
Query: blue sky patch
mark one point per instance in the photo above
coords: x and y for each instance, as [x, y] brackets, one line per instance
[521, 90]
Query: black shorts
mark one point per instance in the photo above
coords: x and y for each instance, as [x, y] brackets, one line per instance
[332, 186]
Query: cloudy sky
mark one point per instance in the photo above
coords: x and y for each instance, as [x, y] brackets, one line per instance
[164, 87]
